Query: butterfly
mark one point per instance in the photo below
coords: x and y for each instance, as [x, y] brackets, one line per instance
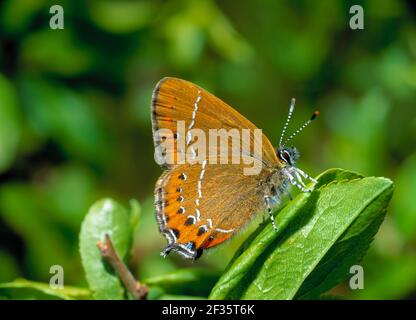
[203, 203]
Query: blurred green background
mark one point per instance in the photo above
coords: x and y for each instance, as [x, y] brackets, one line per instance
[75, 114]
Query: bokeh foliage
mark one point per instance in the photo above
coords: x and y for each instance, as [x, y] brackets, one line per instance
[75, 116]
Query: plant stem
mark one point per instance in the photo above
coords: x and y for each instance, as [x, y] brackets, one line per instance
[138, 290]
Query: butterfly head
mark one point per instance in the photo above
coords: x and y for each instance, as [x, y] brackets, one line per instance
[288, 155]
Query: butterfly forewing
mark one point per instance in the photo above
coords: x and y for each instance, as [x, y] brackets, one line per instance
[179, 100]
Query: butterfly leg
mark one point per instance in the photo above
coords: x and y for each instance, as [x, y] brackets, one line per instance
[166, 251]
[293, 181]
[269, 210]
[305, 175]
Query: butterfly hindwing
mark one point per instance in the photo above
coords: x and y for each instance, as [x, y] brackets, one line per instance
[200, 206]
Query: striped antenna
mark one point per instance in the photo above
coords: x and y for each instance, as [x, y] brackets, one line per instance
[314, 115]
[289, 116]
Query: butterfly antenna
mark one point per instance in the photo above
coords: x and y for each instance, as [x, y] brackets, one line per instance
[289, 116]
[314, 115]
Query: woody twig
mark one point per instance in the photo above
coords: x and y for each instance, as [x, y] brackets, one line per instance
[137, 290]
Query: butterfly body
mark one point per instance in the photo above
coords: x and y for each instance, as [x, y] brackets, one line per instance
[204, 201]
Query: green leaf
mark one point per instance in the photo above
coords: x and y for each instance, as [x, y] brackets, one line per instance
[195, 282]
[25, 289]
[321, 234]
[104, 217]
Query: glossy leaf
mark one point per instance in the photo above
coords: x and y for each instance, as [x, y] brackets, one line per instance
[25, 289]
[321, 235]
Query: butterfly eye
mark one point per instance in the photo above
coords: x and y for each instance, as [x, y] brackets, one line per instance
[285, 156]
